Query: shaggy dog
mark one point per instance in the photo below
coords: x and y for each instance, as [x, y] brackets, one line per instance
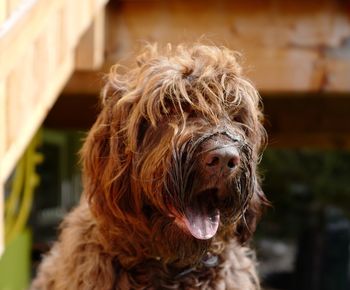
[171, 192]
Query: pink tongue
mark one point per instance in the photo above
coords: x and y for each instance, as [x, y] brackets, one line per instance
[202, 225]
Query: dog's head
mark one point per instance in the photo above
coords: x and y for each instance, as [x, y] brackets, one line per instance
[175, 149]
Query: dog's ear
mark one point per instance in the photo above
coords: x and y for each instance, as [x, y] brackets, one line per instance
[248, 222]
[245, 109]
[106, 160]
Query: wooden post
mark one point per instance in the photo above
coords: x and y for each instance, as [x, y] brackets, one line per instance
[3, 10]
[90, 50]
[3, 139]
[12, 5]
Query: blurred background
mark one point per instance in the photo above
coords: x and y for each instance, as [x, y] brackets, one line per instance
[53, 55]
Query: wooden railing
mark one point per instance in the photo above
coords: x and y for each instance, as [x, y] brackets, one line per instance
[41, 43]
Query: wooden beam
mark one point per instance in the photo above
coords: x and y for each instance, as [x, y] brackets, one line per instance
[287, 46]
[308, 121]
[337, 67]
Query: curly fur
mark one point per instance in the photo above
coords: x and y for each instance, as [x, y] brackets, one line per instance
[139, 170]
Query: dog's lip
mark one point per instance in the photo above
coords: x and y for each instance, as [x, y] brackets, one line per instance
[201, 217]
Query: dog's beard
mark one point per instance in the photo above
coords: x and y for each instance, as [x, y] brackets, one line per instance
[214, 209]
[201, 209]
[180, 242]
[191, 217]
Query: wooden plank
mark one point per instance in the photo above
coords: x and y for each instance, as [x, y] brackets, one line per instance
[50, 48]
[255, 33]
[20, 93]
[12, 5]
[283, 69]
[50, 93]
[337, 76]
[22, 28]
[53, 46]
[283, 43]
[3, 122]
[35, 31]
[337, 68]
[69, 29]
[3, 9]
[85, 83]
[90, 50]
[84, 14]
[37, 58]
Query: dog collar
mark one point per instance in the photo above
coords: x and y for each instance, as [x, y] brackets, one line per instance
[208, 261]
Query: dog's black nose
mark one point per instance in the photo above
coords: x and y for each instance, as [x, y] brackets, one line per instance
[222, 160]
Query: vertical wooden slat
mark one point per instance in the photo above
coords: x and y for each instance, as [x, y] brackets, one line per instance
[69, 27]
[63, 37]
[85, 13]
[20, 93]
[22, 29]
[3, 10]
[14, 104]
[29, 84]
[42, 54]
[74, 25]
[3, 140]
[90, 50]
[51, 42]
[12, 5]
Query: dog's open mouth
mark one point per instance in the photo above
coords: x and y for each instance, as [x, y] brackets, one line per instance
[202, 216]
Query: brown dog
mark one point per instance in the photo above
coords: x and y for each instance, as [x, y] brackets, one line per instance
[171, 192]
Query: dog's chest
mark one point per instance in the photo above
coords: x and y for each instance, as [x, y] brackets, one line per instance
[221, 276]
[152, 279]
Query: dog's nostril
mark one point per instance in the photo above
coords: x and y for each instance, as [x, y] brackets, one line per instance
[213, 161]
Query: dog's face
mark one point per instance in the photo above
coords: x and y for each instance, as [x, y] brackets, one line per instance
[196, 172]
[216, 181]
[175, 148]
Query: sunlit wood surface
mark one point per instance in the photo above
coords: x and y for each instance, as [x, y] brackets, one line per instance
[41, 43]
[287, 46]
